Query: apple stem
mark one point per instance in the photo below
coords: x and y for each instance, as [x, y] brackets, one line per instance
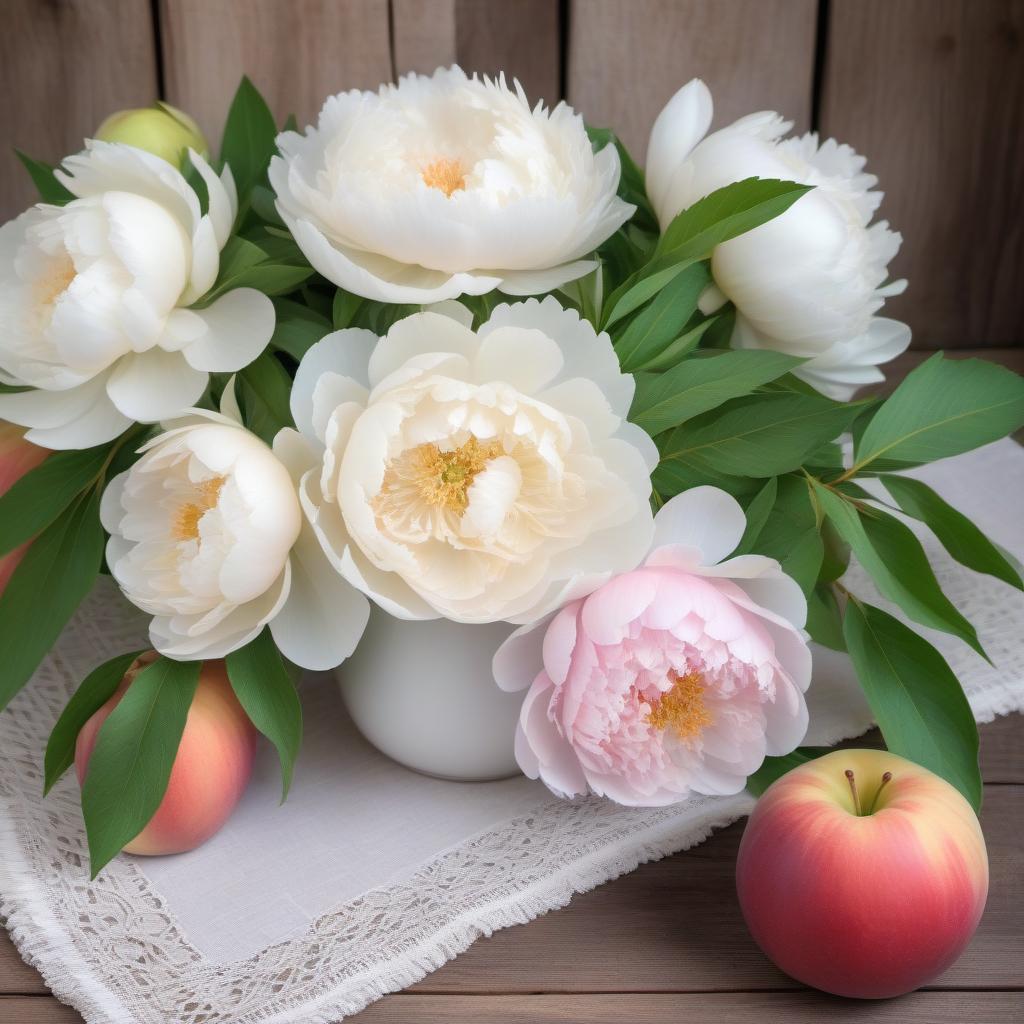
[886, 778]
[853, 789]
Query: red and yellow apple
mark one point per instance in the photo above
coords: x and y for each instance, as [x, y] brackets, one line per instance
[862, 874]
[211, 770]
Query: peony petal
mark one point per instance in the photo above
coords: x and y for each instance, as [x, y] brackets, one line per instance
[236, 329]
[682, 123]
[556, 764]
[537, 282]
[154, 385]
[705, 518]
[523, 357]
[418, 335]
[324, 616]
[518, 660]
[346, 353]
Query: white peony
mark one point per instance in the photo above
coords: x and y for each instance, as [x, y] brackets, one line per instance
[808, 282]
[92, 298]
[443, 186]
[480, 476]
[207, 536]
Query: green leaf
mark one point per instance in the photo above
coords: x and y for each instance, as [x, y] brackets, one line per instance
[262, 202]
[345, 308]
[757, 512]
[759, 436]
[790, 533]
[943, 408]
[655, 327]
[266, 692]
[824, 621]
[265, 396]
[96, 689]
[773, 768]
[636, 291]
[672, 478]
[135, 750]
[958, 535]
[915, 697]
[249, 134]
[55, 574]
[36, 500]
[695, 386]
[677, 350]
[893, 557]
[726, 213]
[45, 181]
[296, 336]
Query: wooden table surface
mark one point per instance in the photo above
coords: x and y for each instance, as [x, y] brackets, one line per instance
[666, 943]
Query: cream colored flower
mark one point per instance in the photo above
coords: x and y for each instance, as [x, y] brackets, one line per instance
[481, 476]
[809, 282]
[92, 298]
[207, 536]
[446, 185]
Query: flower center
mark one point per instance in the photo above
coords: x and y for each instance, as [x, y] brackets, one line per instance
[447, 176]
[439, 478]
[185, 522]
[54, 281]
[682, 708]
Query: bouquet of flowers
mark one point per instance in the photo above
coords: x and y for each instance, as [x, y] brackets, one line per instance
[460, 357]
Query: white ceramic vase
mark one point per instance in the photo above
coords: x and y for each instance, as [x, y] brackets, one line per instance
[423, 693]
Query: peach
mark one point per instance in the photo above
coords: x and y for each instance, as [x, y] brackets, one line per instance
[17, 457]
[210, 772]
[862, 874]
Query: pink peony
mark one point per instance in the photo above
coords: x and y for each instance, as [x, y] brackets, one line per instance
[676, 678]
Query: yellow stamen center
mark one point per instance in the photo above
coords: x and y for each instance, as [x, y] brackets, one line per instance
[54, 281]
[447, 176]
[682, 708]
[185, 523]
[439, 478]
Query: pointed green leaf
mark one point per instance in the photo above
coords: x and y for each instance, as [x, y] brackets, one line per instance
[655, 327]
[55, 574]
[36, 500]
[726, 213]
[958, 535]
[757, 513]
[134, 753]
[824, 620]
[96, 689]
[49, 188]
[759, 436]
[943, 408]
[266, 692]
[915, 697]
[694, 386]
[678, 349]
[893, 557]
[265, 395]
[249, 134]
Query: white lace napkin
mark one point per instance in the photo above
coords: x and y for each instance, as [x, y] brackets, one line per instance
[371, 876]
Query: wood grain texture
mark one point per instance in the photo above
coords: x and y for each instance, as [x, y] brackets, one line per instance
[932, 91]
[626, 59]
[727, 1008]
[64, 66]
[488, 36]
[423, 35]
[297, 52]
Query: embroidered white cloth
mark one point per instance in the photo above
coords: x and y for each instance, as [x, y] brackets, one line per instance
[371, 876]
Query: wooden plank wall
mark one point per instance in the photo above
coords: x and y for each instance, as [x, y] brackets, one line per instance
[931, 90]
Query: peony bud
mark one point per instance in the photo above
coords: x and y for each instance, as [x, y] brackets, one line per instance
[17, 457]
[210, 772]
[160, 129]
